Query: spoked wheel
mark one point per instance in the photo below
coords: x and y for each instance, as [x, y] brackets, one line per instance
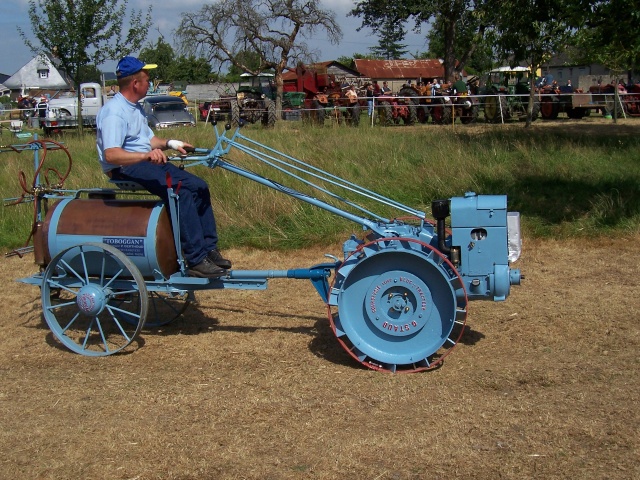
[164, 308]
[401, 304]
[94, 299]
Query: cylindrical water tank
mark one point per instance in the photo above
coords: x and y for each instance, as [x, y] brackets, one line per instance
[141, 229]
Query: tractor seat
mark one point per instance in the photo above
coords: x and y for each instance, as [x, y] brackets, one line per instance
[127, 185]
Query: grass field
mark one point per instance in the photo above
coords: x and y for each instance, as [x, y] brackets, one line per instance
[567, 179]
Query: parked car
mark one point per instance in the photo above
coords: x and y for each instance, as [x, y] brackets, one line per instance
[166, 111]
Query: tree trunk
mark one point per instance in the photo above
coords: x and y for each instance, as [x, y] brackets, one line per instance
[449, 53]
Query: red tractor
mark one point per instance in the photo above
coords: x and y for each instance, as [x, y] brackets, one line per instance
[324, 97]
[397, 109]
[631, 101]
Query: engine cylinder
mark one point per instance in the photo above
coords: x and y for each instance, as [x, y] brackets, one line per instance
[139, 228]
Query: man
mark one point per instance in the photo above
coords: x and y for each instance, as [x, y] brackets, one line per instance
[129, 150]
[459, 86]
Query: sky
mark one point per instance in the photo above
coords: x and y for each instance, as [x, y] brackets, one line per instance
[165, 14]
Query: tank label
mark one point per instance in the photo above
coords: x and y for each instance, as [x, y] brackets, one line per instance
[132, 247]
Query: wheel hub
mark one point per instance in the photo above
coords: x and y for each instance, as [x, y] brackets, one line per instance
[91, 300]
[398, 303]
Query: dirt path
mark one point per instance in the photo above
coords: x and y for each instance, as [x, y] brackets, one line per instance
[253, 385]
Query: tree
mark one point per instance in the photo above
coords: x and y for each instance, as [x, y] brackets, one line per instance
[612, 38]
[247, 58]
[478, 60]
[612, 34]
[530, 31]
[161, 54]
[191, 69]
[79, 33]
[391, 33]
[275, 29]
[448, 13]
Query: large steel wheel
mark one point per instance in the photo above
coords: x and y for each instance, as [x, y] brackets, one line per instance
[384, 114]
[234, 114]
[401, 306]
[164, 308]
[469, 115]
[496, 109]
[94, 299]
[549, 107]
[441, 111]
[269, 116]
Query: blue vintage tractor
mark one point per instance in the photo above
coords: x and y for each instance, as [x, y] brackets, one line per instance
[396, 297]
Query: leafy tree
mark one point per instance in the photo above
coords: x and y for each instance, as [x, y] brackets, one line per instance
[276, 30]
[530, 31]
[248, 58]
[611, 34]
[161, 54]
[191, 69]
[90, 73]
[611, 37]
[391, 33]
[84, 32]
[449, 14]
[478, 60]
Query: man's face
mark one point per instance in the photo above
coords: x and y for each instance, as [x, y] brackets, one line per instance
[141, 84]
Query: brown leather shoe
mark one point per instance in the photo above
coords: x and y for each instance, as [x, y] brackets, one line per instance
[206, 269]
[215, 256]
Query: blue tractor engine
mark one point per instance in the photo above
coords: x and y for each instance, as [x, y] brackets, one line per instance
[401, 294]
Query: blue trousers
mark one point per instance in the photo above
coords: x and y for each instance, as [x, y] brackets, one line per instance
[198, 233]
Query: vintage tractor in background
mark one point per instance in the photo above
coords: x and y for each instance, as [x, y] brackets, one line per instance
[506, 95]
[443, 107]
[449, 104]
[604, 98]
[631, 101]
[253, 102]
[575, 103]
[396, 109]
[555, 99]
[322, 97]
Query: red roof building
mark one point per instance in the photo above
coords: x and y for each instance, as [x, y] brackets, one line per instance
[414, 70]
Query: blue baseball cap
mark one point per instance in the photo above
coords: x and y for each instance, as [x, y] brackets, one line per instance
[130, 65]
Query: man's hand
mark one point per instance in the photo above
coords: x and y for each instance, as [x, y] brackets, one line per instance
[157, 156]
[178, 146]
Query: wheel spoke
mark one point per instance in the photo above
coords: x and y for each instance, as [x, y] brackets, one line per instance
[72, 270]
[71, 322]
[84, 265]
[104, 340]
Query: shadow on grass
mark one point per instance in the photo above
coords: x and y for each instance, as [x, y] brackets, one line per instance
[604, 203]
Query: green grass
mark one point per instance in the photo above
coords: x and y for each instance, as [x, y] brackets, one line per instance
[564, 185]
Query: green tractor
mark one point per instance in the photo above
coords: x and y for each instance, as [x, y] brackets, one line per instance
[506, 95]
[253, 101]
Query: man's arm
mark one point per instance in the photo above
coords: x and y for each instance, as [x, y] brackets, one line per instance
[121, 157]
